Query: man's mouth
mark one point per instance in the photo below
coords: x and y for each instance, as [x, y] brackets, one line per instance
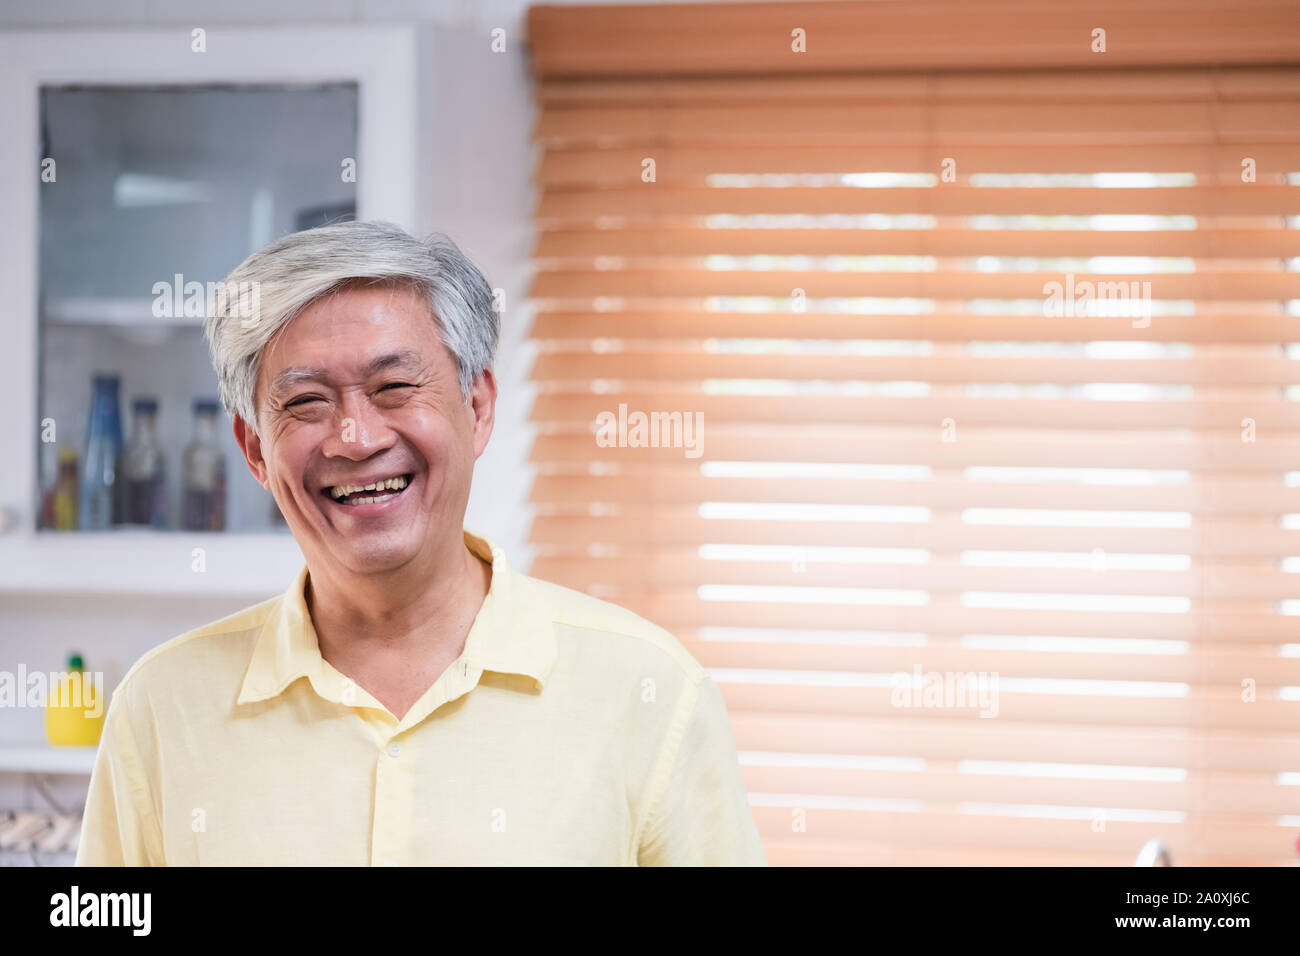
[373, 492]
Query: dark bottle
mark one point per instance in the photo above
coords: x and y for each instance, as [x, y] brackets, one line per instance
[142, 469]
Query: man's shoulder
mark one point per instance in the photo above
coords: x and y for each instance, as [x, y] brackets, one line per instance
[575, 610]
[193, 653]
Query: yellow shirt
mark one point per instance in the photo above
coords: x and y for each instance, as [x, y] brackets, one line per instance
[568, 732]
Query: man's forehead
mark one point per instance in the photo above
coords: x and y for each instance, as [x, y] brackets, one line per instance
[379, 315]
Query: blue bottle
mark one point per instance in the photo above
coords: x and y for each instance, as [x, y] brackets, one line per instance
[100, 490]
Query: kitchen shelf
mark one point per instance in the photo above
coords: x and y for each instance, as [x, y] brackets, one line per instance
[45, 758]
[123, 312]
[148, 563]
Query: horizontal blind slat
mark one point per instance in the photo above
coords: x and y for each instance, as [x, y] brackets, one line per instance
[667, 527]
[1223, 665]
[1128, 289]
[939, 737]
[1211, 453]
[1254, 795]
[658, 200]
[1146, 86]
[1233, 327]
[941, 35]
[951, 242]
[811, 852]
[1205, 621]
[684, 486]
[1024, 121]
[569, 409]
[591, 165]
[669, 571]
[1198, 838]
[699, 365]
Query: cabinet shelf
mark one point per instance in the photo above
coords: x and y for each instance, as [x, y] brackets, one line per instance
[153, 563]
[46, 758]
[127, 313]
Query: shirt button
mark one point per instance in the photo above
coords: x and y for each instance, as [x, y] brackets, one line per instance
[394, 749]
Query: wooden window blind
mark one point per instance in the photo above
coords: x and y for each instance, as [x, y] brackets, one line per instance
[927, 480]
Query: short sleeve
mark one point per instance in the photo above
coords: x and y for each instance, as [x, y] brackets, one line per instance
[698, 811]
[119, 826]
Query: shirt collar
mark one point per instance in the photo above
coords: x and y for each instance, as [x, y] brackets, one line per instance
[511, 634]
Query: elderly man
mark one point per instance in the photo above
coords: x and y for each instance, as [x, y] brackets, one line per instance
[410, 699]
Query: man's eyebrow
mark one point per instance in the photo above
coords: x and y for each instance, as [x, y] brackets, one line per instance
[289, 377]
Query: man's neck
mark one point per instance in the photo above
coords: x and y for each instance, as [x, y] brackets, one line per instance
[412, 613]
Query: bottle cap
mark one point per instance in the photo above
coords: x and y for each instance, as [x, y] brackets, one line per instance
[67, 455]
[74, 662]
[145, 403]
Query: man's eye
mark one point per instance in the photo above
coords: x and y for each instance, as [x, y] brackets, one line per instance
[299, 401]
[397, 385]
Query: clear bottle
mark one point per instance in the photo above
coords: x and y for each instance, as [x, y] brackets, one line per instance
[100, 492]
[204, 467]
[145, 501]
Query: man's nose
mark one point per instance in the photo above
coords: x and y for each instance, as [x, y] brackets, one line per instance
[359, 429]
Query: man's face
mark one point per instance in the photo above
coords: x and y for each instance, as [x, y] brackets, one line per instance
[359, 388]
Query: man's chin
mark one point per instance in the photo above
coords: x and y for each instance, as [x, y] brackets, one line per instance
[369, 561]
[370, 550]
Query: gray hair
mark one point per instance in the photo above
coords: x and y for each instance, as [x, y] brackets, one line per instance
[276, 283]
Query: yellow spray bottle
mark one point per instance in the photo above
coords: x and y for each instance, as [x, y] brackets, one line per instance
[74, 714]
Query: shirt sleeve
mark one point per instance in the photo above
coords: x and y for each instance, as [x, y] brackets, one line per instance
[698, 814]
[119, 826]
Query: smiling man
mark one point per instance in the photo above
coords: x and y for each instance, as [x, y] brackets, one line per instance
[410, 699]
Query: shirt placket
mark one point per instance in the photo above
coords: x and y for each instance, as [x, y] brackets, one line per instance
[394, 796]
[393, 803]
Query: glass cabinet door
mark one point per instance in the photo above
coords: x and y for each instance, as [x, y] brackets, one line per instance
[146, 191]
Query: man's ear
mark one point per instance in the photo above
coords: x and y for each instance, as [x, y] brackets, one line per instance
[251, 446]
[483, 400]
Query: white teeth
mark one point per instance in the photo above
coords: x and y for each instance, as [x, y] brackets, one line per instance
[366, 501]
[397, 484]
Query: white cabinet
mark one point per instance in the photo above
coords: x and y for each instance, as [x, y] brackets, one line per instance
[136, 161]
